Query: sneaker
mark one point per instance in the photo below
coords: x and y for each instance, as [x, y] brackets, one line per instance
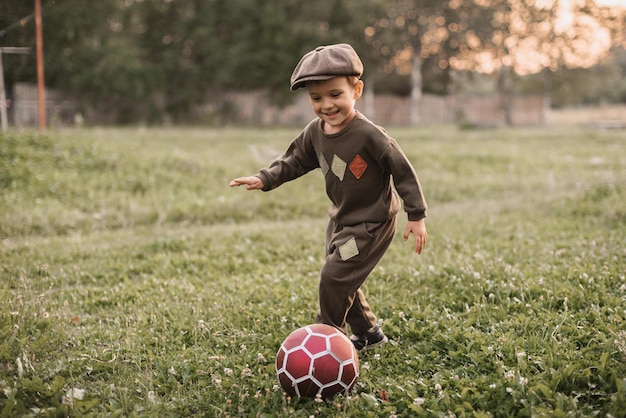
[371, 339]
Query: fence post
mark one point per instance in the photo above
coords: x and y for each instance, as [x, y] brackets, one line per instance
[41, 96]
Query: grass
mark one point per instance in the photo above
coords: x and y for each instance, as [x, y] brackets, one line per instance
[134, 282]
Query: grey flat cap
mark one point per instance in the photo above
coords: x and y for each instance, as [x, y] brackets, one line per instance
[326, 62]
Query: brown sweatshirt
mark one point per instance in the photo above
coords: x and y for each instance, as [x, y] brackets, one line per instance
[358, 164]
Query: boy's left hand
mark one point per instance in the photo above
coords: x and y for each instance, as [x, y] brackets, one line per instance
[418, 229]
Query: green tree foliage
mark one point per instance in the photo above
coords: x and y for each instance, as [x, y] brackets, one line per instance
[602, 83]
[149, 58]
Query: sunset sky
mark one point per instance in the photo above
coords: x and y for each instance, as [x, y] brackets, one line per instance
[583, 43]
[612, 2]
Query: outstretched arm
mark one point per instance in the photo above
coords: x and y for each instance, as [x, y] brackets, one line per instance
[418, 229]
[252, 182]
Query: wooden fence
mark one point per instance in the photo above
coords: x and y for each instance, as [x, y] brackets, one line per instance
[256, 109]
[60, 109]
[489, 110]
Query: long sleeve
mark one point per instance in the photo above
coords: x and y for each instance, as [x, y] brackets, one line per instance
[405, 181]
[298, 160]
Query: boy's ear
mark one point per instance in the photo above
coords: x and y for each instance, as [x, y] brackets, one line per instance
[358, 90]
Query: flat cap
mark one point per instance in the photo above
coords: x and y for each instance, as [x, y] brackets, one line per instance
[326, 62]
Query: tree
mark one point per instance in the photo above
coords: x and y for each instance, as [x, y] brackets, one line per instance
[505, 37]
[540, 36]
[419, 37]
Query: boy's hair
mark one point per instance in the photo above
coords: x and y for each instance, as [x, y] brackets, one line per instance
[352, 80]
[326, 62]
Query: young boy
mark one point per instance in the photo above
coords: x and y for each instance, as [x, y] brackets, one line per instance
[358, 160]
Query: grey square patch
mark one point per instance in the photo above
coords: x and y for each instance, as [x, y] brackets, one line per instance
[349, 249]
[338, 166]
[323, 163]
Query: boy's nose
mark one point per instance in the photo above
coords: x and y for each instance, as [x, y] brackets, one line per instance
[327, 103]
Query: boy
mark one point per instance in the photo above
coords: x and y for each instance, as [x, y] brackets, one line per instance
[358, 160]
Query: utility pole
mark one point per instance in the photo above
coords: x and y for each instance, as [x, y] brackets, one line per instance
[3, 94]
[41, 89]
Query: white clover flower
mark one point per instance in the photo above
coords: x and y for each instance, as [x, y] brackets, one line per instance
[228, 371]
[418, 401]
[20, 368]
[73, 393]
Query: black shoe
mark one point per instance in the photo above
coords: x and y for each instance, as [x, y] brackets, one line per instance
[371, 339]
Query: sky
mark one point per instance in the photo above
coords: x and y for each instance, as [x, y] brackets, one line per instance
[612, 2]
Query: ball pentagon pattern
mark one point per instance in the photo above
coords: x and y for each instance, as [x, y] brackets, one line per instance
[317, 360]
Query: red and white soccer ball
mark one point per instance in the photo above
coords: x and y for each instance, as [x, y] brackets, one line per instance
[317, 360]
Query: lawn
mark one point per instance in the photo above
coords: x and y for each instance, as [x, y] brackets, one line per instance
[135, 282]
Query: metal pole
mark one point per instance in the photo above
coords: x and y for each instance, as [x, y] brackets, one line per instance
[41, 90]
[3, 98]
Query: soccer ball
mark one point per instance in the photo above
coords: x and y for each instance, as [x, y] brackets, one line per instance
[317, 360]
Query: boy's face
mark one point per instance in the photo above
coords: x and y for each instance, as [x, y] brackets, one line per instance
[333, 101]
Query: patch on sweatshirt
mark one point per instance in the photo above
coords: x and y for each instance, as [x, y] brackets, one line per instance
[358, 166]
[338, 167]
[323, 164]
[349, 249]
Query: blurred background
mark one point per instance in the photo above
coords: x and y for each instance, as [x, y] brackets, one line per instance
[223, 62]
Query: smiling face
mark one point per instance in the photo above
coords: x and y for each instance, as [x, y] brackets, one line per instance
[333, 101]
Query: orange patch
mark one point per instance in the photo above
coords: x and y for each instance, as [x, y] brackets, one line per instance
[358, 166]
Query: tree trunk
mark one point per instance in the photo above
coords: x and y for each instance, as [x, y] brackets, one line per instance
[416, 90]
[506, 94]
[369, 99]
[547, 94]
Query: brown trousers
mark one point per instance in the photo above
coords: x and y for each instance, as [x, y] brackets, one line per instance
[352, 252]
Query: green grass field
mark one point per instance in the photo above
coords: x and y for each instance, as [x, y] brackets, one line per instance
[135, 282]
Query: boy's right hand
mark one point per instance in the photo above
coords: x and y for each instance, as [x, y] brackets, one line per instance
[252, 182]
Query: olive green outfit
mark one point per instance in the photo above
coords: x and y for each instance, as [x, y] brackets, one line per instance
[358, 164]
